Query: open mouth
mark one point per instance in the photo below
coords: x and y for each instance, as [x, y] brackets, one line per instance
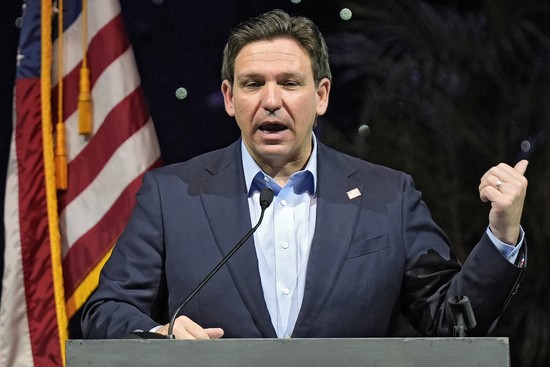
[272, 128]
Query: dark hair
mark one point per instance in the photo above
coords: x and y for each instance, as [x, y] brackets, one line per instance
[278, 24]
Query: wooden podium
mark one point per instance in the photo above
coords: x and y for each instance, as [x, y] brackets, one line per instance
[383, 352]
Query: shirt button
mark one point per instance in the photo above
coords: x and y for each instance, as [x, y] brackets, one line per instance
[283, 202]
[286, 291]
[285, 245]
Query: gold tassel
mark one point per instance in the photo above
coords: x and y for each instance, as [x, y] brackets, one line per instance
[85, 118]
[60, 153]
[61, 171]
[85, 103]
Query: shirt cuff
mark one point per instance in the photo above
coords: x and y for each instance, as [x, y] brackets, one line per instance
[154, 330]
[508, 251]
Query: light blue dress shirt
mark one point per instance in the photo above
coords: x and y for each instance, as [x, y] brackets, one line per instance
[508, 251]
[284, 239]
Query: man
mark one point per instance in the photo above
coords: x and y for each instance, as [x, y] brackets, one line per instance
[343, 248]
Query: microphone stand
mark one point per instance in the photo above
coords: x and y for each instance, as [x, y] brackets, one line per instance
[266, 197]
[462, 314]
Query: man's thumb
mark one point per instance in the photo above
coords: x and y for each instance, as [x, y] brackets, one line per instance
[521, 166]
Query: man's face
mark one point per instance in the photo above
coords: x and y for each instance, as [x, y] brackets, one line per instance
[275, 101]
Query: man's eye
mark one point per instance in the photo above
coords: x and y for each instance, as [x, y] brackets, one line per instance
[251, 85]
[290, 83]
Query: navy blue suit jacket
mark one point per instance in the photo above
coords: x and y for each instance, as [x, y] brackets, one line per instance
[371, 257]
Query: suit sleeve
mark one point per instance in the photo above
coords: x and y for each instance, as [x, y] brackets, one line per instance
[131, 294]
[433, 274]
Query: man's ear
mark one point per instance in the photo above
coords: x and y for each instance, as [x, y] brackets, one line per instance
[227, 92]
[323, 91]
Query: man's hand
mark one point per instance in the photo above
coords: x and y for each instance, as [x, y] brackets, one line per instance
[185, 328]
[505, 187]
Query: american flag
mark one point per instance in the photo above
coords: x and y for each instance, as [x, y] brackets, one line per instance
[56, 242]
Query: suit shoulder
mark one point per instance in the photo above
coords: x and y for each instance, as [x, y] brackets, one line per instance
[361, 167]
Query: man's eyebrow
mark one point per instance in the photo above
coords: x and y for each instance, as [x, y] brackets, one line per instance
[297, 75]
[283, 75]
[248, 76]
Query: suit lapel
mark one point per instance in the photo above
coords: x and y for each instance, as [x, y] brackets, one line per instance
[224, 196]
[336, 217]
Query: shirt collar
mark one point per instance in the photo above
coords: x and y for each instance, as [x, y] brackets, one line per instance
[253, 174]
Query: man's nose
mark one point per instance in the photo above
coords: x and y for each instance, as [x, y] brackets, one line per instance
[271, 97]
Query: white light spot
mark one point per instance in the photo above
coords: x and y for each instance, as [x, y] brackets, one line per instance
[181, 93]
[345, 14]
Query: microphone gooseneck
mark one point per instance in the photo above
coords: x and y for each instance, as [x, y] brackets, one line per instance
[266, 197]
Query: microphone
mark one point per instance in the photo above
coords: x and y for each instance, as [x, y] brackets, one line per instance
[266, 197]
[462, 315]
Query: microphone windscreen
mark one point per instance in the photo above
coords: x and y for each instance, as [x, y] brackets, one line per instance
[266, 197]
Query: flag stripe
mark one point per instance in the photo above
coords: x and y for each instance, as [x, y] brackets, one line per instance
[17, 351]
[129, 161]
[106, 95]
[100, 13]
[86, 166]
[112, 106]
[34, 229]
[105, 171]
[77, 261]
[104, 49]
[77, 299]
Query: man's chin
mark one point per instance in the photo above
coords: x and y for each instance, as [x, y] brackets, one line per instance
[274, 152]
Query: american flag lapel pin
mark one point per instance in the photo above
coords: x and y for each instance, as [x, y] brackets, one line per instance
[352, 194]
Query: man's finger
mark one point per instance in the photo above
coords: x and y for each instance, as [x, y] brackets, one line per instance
[521, 166]
[214, 333]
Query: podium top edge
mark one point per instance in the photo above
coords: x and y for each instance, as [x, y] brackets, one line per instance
[408, 339]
